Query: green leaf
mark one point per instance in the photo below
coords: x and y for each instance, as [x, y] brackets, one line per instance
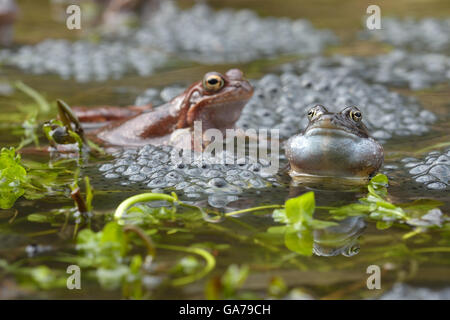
[354, 209]
[279, 215]
[37, 217]
[299, 223]
[300, 241]
[277, 287]
[187, 265]
[277, 229]
[301, 208]
[136, 264]
[233, 279]
[378, 187]
[13, 176]
[382, 225]
[113, 235]
[112, 278]
[380, 180]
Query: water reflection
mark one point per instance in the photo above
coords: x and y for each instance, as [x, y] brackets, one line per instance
[341, 239]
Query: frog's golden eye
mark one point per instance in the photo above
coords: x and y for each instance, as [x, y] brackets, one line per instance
[356, 115]
[213, 82]
[311, 113]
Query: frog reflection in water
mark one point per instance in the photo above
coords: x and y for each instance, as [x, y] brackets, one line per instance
[216, 101]
[334, 145]
[340, 239]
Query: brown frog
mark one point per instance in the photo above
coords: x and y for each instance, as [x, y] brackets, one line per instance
[216, 102]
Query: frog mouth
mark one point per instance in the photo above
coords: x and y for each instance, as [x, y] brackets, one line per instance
[329, 131]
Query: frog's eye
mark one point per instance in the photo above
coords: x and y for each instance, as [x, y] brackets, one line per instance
[213, 82]
[356, 115]
[311, 113]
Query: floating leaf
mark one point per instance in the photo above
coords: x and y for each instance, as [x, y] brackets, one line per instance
[300, 241]
[298, 217]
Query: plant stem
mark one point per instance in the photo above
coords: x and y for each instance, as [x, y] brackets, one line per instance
[143, 197]
[273, 206]
[33, 94]
[209, 259]
[148, 242]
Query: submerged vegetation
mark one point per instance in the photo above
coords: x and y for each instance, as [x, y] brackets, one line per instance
[124, 253]
[58, 212]
[122, 249]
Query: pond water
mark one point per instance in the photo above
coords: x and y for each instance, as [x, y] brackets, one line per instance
[40, 232]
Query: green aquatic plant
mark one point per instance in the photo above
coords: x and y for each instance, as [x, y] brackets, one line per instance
[42, 104]
[228, 286]
[29, 126]
[376, 205]
[106, 252]
[297, 216]
[172, 199]
[29, 179]
[68, 130]
[40, 277]
[13, 178]
[38, 108]
[124, 253]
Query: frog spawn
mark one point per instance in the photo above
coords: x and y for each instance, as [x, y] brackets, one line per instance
[199, 33]
[433, 170]
[208, 36]
[429, 34]
[402, 291]
[281, 102]
[84, 61]
[155, 169]
[397, 68]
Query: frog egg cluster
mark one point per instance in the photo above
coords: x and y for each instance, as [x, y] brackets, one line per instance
[199, 34]
[84, 61]
[210, 36]
[155, 169]
[427, 35]
[401, 291]
[433, 170]
[397, 68]
[281, 102]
